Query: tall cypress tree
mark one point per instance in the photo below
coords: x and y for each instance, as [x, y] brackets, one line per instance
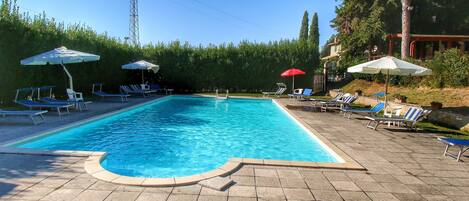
[314, 32]
[304, 27]
[5, 8]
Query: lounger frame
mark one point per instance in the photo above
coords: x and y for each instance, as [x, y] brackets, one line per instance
[31, 116]
[49, 106]
[80, 105]
[374, 122]
[462, 149]
[123, 97]
[374, 110]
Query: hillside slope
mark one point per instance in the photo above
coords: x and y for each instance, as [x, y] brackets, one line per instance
[450, 97]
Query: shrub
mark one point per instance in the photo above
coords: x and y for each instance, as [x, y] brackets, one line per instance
[450, 69]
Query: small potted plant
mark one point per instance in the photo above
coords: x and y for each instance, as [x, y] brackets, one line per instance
[358, 92]
[436, 105]
[398, 98]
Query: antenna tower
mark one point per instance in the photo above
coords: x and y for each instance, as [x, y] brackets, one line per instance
[133, 25]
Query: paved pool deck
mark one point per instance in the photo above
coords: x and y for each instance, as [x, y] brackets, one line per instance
[400, 165]
[14, 128]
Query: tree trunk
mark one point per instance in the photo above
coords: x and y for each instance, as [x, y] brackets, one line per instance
[405, 28]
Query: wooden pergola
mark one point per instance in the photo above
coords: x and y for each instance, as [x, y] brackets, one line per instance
[420, 40]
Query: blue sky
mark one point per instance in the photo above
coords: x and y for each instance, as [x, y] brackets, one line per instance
[195, 21]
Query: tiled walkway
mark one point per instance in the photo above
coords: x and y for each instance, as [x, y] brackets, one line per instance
[12, 128]
[401, 166]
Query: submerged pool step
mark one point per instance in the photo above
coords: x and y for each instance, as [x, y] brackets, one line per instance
[217, 183]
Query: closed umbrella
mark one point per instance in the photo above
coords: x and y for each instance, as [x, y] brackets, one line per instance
[390, 66]
[291, 73]
[60, 56]
[142, 65]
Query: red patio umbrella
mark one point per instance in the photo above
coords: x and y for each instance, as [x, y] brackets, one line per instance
[291, 73]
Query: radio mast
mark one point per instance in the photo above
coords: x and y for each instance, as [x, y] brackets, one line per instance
[133, 25]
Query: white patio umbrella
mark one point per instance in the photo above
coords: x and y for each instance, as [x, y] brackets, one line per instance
[60, 56]
[390, 66]
[142, 65]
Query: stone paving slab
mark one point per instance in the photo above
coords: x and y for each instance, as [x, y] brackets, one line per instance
[401, 165]
[217, 183]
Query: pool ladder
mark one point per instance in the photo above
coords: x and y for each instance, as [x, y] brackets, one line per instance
[226, 96]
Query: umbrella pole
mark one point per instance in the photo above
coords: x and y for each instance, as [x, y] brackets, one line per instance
[293, 86]
[70, 79]
[143, 80]
[386, 90]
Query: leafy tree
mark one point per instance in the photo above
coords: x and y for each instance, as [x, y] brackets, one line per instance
[440, 17]
[362, 25]
[304, 27]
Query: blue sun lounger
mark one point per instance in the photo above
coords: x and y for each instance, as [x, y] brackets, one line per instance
[80, 104]
[33, 104]
[374, 110]
[127, 90]
[103, 94]
[463, 146]
[28, 113]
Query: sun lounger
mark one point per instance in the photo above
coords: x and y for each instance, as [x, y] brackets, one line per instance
[33, 104]
[463, 146]
[345, 101]
[334, 99]
[280, 90]
[128, 90]
[379, 94]
[410, 118]
[80, 104]
[32, 114]
[102, 94]
[106, 95]
[306, 92]
[157, 88]
[296, 92]
[138, 88]
[374, 110]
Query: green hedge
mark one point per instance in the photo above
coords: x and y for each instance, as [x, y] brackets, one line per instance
[244, 67]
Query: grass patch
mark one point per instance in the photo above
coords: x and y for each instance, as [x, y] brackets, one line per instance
[443, 130]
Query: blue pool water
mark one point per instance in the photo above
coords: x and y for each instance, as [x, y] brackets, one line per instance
[182, 135]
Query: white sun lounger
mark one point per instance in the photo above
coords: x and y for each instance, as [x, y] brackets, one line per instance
[410, 119]
[32, 114]
[281, 89]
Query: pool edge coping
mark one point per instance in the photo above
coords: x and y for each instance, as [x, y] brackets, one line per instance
[348, 161]
[93, 167]
[93, 163]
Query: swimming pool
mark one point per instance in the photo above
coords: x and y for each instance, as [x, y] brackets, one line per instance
[184, 135]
